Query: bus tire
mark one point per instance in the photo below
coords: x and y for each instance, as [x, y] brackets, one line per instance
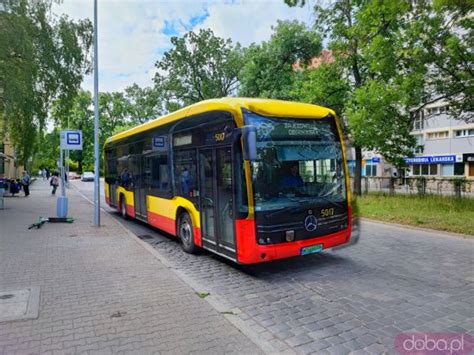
[123, 207]
[186, 234]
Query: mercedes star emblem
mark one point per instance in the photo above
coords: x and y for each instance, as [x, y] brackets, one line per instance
[310, 223]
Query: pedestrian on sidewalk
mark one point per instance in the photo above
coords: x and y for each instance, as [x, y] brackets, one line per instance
[15, 186]
[48, 174]
[25, 181]
[54, 182]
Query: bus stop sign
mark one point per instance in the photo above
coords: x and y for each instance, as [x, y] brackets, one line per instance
[71, 140]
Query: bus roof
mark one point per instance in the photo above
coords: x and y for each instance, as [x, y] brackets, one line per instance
[267, 107]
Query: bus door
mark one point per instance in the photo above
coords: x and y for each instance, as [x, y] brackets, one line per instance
[216, 209]
[113, 194]
[139, 191]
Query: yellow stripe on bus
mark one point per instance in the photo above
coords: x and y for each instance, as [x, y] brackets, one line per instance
[129, 200]
[106, 189]
[168, 208]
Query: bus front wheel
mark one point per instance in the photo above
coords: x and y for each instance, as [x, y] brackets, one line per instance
[186, 234]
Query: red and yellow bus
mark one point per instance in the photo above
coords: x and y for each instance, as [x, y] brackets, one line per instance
[252, 180]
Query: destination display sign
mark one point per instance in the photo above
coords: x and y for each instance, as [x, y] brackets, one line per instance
[269, 129]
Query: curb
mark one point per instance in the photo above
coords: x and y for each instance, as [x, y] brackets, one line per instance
[266, 346]
[421, 229]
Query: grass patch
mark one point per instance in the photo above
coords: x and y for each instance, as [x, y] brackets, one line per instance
[203, 294]
[431, 211]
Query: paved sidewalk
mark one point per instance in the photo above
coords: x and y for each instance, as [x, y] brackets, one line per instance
[100, 290]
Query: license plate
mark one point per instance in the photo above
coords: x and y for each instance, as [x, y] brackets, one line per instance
[311, 249]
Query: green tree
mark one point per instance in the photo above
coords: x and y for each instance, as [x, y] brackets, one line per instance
[112, 113]
[47, 154]
[269, 67]
[448, 54]
[143, 104]
[396, 56]
[323, 86]
[200, 66]
[42, 59]
[379, 60]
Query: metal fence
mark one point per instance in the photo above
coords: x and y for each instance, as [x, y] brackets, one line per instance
[458, 187]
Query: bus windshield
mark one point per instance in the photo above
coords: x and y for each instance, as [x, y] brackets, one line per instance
[300, 162]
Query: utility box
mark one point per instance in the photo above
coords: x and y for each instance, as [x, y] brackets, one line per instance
[61, 206]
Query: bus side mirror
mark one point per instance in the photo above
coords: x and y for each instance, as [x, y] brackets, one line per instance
[249, 135]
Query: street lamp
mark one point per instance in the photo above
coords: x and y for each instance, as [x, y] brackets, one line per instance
[96, 126]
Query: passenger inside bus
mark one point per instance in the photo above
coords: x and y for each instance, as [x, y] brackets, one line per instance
[125, 179]
[292, 177]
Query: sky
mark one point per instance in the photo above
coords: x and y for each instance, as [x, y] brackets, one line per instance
[134, 34]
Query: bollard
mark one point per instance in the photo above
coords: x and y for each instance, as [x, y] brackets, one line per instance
[61, 206]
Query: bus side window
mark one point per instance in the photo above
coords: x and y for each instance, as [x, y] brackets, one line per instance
[158, 182]
[185, 175]
[122, 166]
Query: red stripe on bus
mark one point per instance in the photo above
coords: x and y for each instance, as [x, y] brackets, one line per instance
[130, 210]
[164, 223]
[249, 252]
[197, 236]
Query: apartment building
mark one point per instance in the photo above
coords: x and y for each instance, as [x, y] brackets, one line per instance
[8, 166]
[445, 144]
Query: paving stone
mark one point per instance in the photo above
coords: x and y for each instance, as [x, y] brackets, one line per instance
[394, 280]
[99, 289]
[298, 340]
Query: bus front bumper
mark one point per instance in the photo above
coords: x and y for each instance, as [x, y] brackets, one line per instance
[250, 252]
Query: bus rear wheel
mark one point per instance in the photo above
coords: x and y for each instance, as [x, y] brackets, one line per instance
[123, 207]
[186, 234]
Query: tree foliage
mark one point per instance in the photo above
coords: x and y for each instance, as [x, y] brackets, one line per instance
[143, 104]
[449, 55]
[385, 53]
[42, 59]
[117, 111]
[200, 66]
[324, 86]
[268, 70]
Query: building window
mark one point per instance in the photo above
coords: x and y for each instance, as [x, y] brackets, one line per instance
[464, 133]
[458, 168]
[425, 169]
[444, 109]
[370, 170]
[416, 169]
[437, 110]
[438, 135]
[447, 169]
[418, 122]
[419, 144]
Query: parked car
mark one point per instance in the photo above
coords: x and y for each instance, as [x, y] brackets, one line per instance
[73, 176]
[87, 176]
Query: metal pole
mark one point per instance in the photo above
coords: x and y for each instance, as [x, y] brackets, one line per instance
[96, 126]
[67, 167]
[63, 190]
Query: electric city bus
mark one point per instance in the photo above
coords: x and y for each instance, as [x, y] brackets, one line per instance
[252, 180]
